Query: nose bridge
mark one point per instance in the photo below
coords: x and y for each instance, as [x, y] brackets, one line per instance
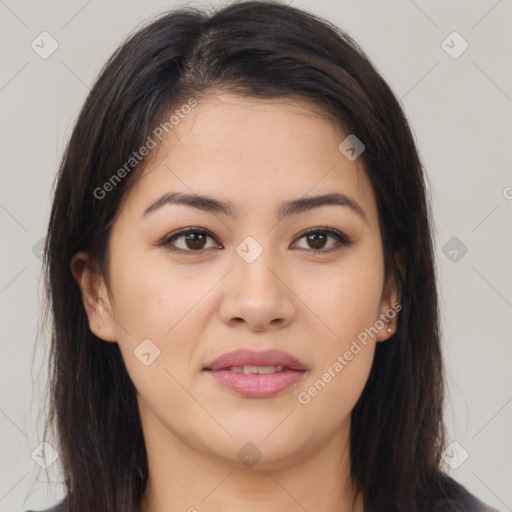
[253, 265]
[257, 292]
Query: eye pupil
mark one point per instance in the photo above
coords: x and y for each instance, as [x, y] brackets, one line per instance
[315, 238]
[194, 238]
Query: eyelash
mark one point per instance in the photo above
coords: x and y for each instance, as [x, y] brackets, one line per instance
[342, 240]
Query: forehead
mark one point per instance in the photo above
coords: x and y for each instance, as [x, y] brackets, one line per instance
[253, 152]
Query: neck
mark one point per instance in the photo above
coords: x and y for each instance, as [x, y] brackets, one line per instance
[181, 479]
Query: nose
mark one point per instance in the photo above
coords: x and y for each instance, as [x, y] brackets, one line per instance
[257, 296]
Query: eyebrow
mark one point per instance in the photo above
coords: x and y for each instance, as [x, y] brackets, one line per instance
[286, 208]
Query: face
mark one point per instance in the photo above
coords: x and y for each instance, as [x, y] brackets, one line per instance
[189, 284]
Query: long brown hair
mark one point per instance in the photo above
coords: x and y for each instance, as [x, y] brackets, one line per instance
[255, 49]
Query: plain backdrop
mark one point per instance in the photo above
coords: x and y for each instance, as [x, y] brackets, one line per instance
[459, 105]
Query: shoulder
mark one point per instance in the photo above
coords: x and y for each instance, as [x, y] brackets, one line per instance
[60, 507]
[447, 495]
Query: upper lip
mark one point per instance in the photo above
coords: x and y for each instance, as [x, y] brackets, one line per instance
[246, 357]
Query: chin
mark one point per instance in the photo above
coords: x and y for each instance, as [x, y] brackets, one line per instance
[256, 449]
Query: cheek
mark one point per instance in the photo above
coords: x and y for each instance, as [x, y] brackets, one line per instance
[158, 331]
[153, 296]
[329, 397]
[158, 311]
[346, 300]
[345, 350]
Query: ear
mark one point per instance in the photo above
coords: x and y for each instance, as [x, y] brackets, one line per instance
[95, 298]
[390, 302]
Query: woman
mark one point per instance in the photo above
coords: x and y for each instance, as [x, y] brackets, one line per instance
[241, 276]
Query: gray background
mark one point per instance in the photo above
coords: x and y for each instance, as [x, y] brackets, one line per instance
[459, 109]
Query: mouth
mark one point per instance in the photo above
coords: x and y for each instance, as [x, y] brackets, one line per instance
[252, 370]
[256, 374]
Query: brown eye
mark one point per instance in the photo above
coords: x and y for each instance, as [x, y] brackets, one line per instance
[188, 240]
[317, 239]
[195, 241]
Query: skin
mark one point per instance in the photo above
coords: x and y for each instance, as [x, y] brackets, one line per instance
[196, 306]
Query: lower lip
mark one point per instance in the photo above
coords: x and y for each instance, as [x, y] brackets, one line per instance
[256, 385]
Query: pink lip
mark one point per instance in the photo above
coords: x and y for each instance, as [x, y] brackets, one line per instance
[245, 357]
[255, 385]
